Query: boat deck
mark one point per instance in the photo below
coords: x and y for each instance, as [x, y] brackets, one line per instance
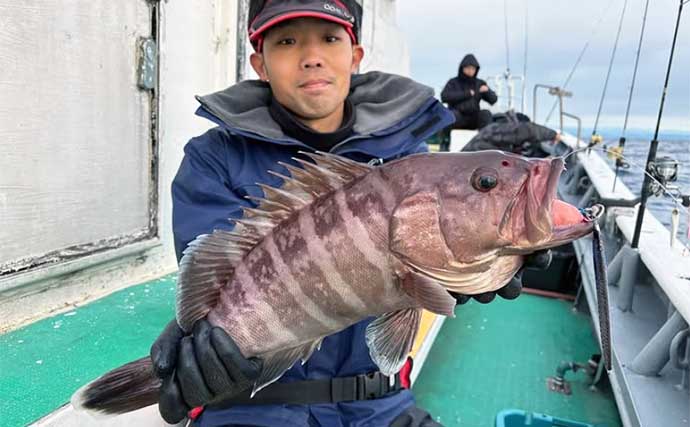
[43, 363]
[498, 356]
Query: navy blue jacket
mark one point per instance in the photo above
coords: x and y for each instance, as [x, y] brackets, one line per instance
[394, 116]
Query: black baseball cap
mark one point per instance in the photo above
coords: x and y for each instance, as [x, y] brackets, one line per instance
[264, 14]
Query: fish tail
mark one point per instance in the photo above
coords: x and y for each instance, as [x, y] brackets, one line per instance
[127, 388]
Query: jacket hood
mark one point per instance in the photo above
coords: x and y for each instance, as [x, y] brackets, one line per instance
[380, 102]
[468, 60]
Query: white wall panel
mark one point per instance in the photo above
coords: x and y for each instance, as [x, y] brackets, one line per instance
[74, 127]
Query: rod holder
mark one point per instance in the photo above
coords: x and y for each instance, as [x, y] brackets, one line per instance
[679, 352]
[623, 272]
[655, 355]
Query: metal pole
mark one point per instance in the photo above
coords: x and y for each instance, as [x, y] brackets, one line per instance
[534, 104]
[560, 109]
[579, 126]
[505, 15]
[655, 143]
[241, 61]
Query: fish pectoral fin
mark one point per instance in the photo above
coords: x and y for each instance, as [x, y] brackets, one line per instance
[276, 363]
[429, 294]
[390, 338]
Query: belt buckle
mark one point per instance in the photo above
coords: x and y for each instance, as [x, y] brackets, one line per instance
[370, 386]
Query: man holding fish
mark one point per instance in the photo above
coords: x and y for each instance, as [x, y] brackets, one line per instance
[313, 229]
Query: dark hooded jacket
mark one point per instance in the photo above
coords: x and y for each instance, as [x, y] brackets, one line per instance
[457, 92]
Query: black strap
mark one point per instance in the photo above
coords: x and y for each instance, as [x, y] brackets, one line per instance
[332, 390]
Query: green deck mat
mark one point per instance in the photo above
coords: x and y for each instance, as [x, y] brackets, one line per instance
[487, 359]
[497, 356]
[42, 364]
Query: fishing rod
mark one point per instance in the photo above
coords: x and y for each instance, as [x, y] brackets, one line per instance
[524, 65]
[593, 32]
[595, 138]
[655, 143]
[621, 141]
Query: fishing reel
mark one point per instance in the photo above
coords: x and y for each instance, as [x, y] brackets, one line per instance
[616, 153]
[664, 170]
[594, 140]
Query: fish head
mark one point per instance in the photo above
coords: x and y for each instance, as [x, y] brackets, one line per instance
[505, 204]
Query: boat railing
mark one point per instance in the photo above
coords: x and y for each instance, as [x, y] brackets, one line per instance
[553, 91]
[579, 126]
[650, 296]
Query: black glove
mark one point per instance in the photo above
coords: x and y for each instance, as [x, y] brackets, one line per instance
[539, 260]
[198, 368]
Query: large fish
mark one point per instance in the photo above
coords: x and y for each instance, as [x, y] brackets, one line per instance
[342, 241]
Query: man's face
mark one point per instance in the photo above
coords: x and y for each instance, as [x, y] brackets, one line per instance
[308, 63]
[469, 70]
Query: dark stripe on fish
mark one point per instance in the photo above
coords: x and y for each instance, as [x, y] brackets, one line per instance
[324, 261]
[342, 252]
[253, 322]
[293, 249]
[279, 292]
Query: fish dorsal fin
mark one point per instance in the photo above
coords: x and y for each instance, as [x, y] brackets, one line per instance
[209, 261]
[390, 338]
[328, 172]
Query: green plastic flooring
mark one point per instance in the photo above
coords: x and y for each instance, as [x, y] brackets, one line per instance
[497, 356]
[487, 359]
[42, 364]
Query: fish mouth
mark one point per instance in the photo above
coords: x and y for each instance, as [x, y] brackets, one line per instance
[547, 222]
[573, 230]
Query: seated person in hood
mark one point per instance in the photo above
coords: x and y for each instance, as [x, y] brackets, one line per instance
[463, 93]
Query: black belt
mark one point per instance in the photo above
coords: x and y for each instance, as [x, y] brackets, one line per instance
[312, 392]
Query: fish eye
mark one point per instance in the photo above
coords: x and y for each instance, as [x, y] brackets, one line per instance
[484, 180]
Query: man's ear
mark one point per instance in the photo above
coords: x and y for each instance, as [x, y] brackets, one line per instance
[258, 64]
[357, 55]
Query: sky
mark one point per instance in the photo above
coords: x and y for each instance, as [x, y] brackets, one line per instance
[440, 32]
